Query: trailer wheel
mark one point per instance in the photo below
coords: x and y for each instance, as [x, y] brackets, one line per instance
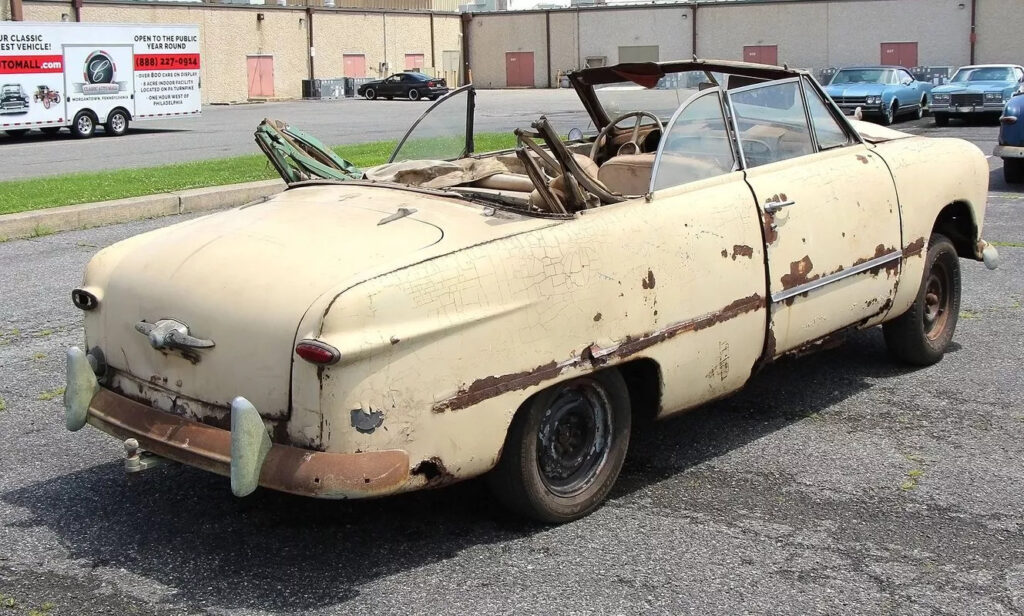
[84, 125]
[117, 123]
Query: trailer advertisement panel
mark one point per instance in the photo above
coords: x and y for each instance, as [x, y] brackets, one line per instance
[53, 73]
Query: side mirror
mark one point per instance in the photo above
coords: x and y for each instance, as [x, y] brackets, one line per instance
[575, 134]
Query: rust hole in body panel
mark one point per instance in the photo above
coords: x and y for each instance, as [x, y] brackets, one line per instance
[433, 470]
[648, 282]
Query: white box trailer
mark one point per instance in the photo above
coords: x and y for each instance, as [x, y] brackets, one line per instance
[81, 76]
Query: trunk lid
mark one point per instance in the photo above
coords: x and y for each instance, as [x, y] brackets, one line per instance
[244, 278]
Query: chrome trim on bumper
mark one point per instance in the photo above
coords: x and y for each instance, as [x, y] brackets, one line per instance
[1008, 151]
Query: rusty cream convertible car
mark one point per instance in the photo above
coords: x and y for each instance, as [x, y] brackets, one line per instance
[451, 314]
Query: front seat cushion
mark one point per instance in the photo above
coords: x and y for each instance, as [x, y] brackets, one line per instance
[628, 174]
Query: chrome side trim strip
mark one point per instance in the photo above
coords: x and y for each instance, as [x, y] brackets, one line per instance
[846, 273]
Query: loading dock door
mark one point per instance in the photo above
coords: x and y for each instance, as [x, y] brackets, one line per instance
[354, 65]
[900, 54]
[761, 54]
[414, 62]
[261, 76]
[519, 69]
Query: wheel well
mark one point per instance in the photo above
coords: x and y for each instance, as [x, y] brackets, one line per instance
[956, 221]
[88, 112]
[126, 112]
[643, 379]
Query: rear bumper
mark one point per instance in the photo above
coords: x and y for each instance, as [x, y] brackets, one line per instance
[1009, 151]
[280, 467]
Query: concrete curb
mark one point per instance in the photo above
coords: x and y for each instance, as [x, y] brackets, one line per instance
[86, 215]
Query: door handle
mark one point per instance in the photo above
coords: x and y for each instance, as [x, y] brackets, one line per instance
[775, 206]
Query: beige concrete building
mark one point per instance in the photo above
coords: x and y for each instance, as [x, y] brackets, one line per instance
[265, 51]
[812, 34]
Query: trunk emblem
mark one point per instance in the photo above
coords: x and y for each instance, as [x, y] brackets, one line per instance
[170, 334]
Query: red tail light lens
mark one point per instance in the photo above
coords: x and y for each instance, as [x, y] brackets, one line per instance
[316, 352]
[1008, 119]
[431, 84]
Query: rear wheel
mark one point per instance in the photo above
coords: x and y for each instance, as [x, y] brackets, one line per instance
[414, 94]
[941, 119]
[1013, 170]
[565, 449]
[921, 335]
[84, 125]
[370, 94]
[117, 123]
[923, 107]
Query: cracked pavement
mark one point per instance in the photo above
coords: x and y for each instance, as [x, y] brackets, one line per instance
[835, 483]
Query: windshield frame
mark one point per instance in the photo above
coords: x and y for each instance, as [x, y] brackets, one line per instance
[470, 112]
[884, 77]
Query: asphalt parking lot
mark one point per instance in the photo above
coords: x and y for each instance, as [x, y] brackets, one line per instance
[228, 130]
[837, 483]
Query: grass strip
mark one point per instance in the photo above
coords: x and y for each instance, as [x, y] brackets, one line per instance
[74, 188]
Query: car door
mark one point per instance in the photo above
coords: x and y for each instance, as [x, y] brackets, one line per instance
[909, 90]
[829, 208]
[390, 86]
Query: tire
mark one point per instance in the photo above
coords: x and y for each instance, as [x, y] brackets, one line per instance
[941, 119]
[117, 123]
[84, 125]
[889, 115]
[1013, 170]
[56, 99]
[50, 130]
[922, 108]
[537, 477]
[370, 94]
[46, 103]
[17, 132]
[414, 94]
[921, 335]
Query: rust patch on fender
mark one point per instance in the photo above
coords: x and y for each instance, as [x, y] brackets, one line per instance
[740, 250]
[862, 158]
[798, 273]
[725, 253]
[914, 248]
[492, 386]
[648, 283]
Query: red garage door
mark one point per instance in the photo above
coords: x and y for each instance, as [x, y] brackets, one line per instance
[519, 69]
[354, 65]
[414, 62]
[761, 54]
[261, 76]
[899, 54]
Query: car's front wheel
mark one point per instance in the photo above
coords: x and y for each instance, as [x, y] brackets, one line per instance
[565, 449]
[941, 119]
[889, 113]
[921, 335]
[1013, 170]
[370, 94]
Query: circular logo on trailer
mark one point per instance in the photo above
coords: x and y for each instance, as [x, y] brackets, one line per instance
[99, 68]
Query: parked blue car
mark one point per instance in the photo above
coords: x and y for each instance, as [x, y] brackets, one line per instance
[881, 92]
[975, 91]
[1011, 139]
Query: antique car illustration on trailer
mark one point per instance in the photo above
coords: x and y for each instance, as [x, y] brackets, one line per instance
[46, 96]
[13, 99]
[976, 91]
[410, 85]
[1011, 138]
[882, 92]
[453, 314]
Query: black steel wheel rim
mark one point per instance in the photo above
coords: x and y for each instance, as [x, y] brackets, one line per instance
[574, 438]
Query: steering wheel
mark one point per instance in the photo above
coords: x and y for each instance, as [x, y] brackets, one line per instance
[632, 146]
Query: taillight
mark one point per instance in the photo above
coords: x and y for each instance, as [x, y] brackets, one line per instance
[431, 84]
[316, 352]
[1008, 119]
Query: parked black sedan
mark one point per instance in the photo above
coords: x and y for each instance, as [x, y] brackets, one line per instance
[413, 86]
